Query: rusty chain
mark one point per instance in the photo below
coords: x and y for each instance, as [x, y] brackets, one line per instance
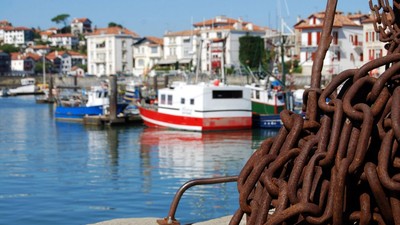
[341, 164]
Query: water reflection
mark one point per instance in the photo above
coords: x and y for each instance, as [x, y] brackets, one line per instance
[183, 154]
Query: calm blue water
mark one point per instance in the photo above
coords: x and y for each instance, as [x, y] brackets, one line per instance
[67, 173]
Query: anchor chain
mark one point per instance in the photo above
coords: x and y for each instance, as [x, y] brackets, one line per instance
[341, 166]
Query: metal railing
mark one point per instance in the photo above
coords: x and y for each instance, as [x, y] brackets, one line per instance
[170, 219]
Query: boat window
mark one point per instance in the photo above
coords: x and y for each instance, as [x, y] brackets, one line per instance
[169, 99]
[192, 101]
[162, 99]
[182, 101]
[257, 94]
[227, 94]
[105, 94]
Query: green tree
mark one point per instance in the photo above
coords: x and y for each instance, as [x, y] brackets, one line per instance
[9, 48]
[252, 52]
[62, 18]
[112, 24]
[82, 66]
[39, 67]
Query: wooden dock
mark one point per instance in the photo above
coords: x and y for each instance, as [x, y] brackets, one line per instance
[106, 120]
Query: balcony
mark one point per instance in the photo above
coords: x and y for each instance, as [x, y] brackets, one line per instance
[99, 60]
[358, 47]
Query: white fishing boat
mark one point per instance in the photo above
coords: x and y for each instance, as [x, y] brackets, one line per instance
[28, 87]
[199, 107]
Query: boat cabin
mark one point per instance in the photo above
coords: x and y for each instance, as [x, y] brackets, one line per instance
[204, 100]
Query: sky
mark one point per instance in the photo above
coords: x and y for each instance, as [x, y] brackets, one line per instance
[155, 17]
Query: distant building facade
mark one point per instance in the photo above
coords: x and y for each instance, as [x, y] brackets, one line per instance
[110, 51]
[147, 52]
[211, 44]
[17, 36]
[373, 47]
[81, 26]
[64, 61]
[346, 49]
[67, 41]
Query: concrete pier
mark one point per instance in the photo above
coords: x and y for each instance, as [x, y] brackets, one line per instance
[153, 221]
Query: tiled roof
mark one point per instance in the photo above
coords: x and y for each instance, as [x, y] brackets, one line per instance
[15, 28]
[155, 40]
[183, 33]
[61, 35]
[47, 32]
[19, 56]
[40, 47]
[4, 23]
[34, 56]
[113, 30]
[80, 20]
[215, 21]
[339, 21]
[6, 28]
[55, 54]
[371, 18]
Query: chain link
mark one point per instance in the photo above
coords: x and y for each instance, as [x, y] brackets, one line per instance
[344, 166]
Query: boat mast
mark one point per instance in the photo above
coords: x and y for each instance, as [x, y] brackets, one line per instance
[222, 63]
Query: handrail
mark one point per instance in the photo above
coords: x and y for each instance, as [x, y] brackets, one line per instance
[170, 219]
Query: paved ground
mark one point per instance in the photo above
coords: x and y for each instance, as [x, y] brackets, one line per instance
[153, 221]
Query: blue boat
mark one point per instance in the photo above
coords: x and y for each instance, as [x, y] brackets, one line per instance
[95, 103]
[272, 121]
[267, 102]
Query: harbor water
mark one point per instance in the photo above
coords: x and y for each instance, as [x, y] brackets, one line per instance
[67, 173]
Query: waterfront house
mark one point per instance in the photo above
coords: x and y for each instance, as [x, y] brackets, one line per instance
[180, 48]
[24, 63]
[211, 43]
[373, 47]
[147, 52]
[110, 51]
[346, 50]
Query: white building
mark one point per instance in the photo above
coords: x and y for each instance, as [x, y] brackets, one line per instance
[373, 47]
[147, 52]
[81, 26]
[221, 36]
[67, 41]
[345, 52]
[24, 64]
[44, 35]
[38, 49]
[180, 48]
[17, 35]
[3, 24]
[110, 51]
[216, 41]
[64, 61]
